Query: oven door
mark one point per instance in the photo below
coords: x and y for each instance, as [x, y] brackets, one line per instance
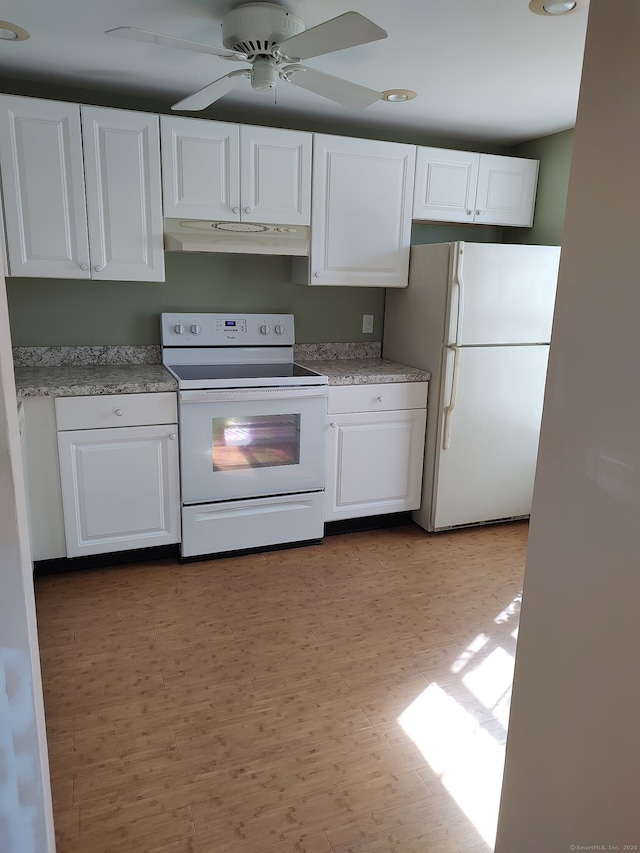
[243, 443]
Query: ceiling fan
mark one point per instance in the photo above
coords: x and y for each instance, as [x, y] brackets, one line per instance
[273, 41]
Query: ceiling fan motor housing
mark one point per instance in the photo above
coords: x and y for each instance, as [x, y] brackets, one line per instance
[256, 29]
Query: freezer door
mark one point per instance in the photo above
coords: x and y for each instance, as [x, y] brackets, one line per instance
[487, 470]
[502, 294]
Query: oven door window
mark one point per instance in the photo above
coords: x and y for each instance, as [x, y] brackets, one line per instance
[255, 441]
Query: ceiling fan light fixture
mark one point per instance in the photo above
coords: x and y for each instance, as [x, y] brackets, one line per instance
[556, 8]
[264, 75]
[398, 96]
[11, 32]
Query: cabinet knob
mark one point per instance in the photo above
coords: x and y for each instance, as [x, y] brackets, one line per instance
[381, 399]
[479, 212]
[469, 212]
[98, 268]
[333, 425]
[235, 210]
[84, 266]
[119, 412]
[247, 210]
[172, 436]
[316, 275]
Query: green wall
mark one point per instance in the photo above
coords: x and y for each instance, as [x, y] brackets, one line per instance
[56, 312]
[53, 312]
[554, 153]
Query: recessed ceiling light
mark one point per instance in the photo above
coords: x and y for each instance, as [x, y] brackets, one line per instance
[557, 7]
[11, 32]
[397, 96]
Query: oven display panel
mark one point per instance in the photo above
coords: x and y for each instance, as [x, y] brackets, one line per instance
[255, 441]
[231, 325]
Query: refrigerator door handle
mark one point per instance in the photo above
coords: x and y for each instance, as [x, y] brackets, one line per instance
[448, 411]
[456, 307]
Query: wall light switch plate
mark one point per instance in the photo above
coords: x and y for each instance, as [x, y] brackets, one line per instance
[367, 322]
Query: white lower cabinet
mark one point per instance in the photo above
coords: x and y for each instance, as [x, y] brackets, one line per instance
[375, 449]
[120, 484]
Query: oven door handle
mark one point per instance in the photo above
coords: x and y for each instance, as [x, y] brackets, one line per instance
[251, 394]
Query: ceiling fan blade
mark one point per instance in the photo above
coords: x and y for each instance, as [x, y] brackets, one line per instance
[204, 97]
[172, 41]
[346, 30]
[336, 89]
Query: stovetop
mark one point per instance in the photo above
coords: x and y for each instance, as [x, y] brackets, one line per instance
[243, 375]
[233, 351]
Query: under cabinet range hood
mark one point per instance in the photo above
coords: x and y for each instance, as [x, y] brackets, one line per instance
[204, 235]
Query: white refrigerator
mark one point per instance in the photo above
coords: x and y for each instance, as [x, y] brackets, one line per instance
[478, 316]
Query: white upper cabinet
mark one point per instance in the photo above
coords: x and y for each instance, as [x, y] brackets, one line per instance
[219, 171]
[43, 188]
[463, 186]
[82, 192]
[124, 194]
[275, 176]
[361, 213]
[200, 168]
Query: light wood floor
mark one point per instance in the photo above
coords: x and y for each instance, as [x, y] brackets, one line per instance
[349, 696]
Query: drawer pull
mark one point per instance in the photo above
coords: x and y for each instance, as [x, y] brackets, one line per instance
[381, 399]
[119, 412]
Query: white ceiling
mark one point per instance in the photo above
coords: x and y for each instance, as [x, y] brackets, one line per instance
[483, 69]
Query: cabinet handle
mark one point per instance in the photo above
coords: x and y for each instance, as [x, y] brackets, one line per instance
[84, 266]
[334, 425]
[469, 212]
[98, 268]
[316, 275]
[172, 436]
[235, 210]
[381, 399]
[119, 412]
[247, 210]
[479, 212]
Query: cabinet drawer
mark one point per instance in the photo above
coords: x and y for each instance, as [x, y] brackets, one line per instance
[116, 410]
[381, 397]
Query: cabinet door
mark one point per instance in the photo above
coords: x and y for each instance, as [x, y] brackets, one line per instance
[124, 196]
[374, 463]
[275, 170]
[506, 190]
[361, 212]
[119, 488]
[43, 188]
[200, 169]
[445, 185]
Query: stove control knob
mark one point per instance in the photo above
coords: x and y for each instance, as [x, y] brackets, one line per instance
[279, 329]
[178, 329]
[195, 329]
[264, 329]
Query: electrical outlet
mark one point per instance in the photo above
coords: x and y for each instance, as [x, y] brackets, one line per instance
[367, 323]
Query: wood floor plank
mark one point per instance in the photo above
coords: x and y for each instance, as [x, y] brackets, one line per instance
[298, 700]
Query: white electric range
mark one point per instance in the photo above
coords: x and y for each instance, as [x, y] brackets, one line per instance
[252, 427]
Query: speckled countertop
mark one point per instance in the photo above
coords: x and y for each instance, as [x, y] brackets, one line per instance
[80, 380]
[366, 371]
